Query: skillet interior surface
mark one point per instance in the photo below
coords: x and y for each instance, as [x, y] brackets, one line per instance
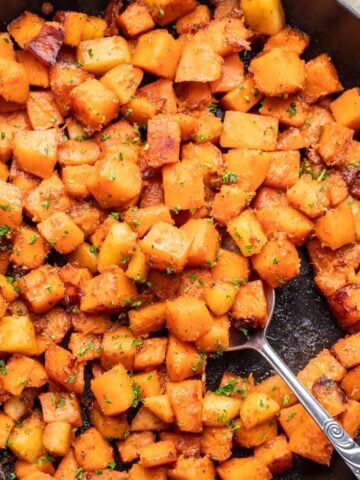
[302, 324]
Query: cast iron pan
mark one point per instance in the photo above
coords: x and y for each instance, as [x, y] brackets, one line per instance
[302, 324]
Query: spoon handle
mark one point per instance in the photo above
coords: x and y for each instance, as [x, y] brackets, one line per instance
[341, 441]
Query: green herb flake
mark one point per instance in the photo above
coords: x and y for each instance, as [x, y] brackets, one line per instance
[229, 177]
[292, 110]
[34, 238]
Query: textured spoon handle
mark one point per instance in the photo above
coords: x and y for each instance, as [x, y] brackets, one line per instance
[341, 441]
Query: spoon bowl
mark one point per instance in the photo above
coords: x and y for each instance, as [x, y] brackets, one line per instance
[341, 441]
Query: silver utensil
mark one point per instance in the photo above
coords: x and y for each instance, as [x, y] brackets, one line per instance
[341, 441]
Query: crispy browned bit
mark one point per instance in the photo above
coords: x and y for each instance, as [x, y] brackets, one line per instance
[46, 45]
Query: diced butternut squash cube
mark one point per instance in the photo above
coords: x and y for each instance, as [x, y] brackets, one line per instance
[25, 27]
[250, 306]
[157, 454]
[231, 267]
[323, 364]
[115, 182]
[291, 111]
[247, 130]
[11, 207]
[113, 390]
[345, 303]
[73, 178]
[198, 63]
[278, 72]
[61, 232]
[164, 142]
[119, 244]
[330, 395]
[137, 266]
[166, 11]
[346, 109]
[135, 19]
[350, 419]
[147, 319]
[220, 297]
[194, 20]
[166, 247]
[250, 167]
[188, 318]
[350, 384]
[247, 233]
[26, 439]
[219, 410]
[232, 73]
[147, 384]
[243, 96]
[309, 441]
[264, 16]
[283, 170]
[275, 388]
[290, 39]
[123, 80]
[129, 448]
[161, 407]
[118, 346]
[109, 427]
[42, 111]
[73, 23]
[228, 203]
[94, 27]
[142, 219]
[6, 47]
[257, 408]
[278, 262]
[278, 218]
[57, 437]
[337, 227]
[217, 443]
[183, 185]
[321, 78]
[334, 142]
[92, 451]
[37, 72]
[253, 437]
[217, 338]
[309, 196]
[201, 468]
[291, 417]
[188, 415]
[151, 353]
[249, 468]
[205, 242]
[145, 420]
[94, 104]
[17, 335]
[102, 54]
[276, 455]
[111, 290]
[36, 151]
[151, 51]
[29, 248]
[347, 350]
[183, 360]
[13, 74]
[60, 407]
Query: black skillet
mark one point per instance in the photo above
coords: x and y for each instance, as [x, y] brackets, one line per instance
[302, 324]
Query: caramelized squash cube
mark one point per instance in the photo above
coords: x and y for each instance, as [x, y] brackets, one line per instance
[102, 54]
[17, 335]
[94, 104]
[92, 451]
[264, 16]
[198, 63]
[337, 227]
[188, 318]
[37, 72]
[135, 19]
[183, 360]
[249, 468]
[57, 437]
[247, 233]
[164, 138]
[25, 27]
[278, 262]
[11, 206]
[157, 454]
[115, 182]
[321, 78]
[346, 109]
[250, 305]
[151, 51]
[113, 390]
[25, 440]
[36, 151]
[205, 242]
[253, 437]
[42, 111]
[347, 350]
[111, 290]
[166, 247]
[61, 232]
[278, 72]
[276, 455]
[247, 130]
[123, 80]
[188, 415]
[117, 246]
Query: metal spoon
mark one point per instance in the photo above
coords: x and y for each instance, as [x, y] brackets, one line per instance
[341, 441]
